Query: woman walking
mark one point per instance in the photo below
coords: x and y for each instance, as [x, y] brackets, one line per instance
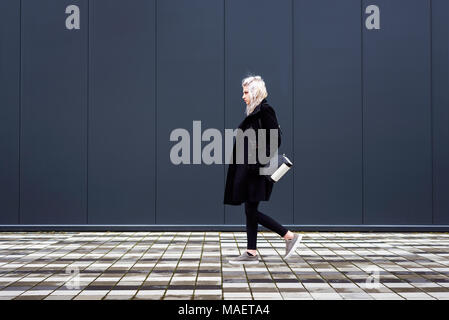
[245, 185]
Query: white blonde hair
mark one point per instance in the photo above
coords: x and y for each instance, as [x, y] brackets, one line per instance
[257, 91]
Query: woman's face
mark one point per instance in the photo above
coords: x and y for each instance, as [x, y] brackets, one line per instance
[245, 96]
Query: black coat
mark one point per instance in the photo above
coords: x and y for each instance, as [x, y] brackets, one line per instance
[243, 181]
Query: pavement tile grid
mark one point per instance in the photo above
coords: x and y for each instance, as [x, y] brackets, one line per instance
[194, 265]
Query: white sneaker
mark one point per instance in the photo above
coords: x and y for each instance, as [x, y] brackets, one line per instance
[245, 258]
[292, 244]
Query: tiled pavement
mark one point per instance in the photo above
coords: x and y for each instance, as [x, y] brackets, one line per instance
[194, 265]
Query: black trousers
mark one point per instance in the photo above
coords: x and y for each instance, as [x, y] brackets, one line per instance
[253, 218]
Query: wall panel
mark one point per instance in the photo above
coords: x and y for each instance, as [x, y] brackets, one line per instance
[9, 110]
[397, 115]
[122, 109]
[53, 114]
[189, 88]
[327, 112]
[440, 108]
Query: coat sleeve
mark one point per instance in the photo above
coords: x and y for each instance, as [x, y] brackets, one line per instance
[269, 121]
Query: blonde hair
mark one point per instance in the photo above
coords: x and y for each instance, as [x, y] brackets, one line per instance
[257, 91]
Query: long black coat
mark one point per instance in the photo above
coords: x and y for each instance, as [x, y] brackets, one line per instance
[243, 181]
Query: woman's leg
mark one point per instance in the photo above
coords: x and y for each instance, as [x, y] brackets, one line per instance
[254, 217]
[251, 224]
[272, 224]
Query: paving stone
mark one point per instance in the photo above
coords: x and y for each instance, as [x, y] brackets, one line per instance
[194, 265]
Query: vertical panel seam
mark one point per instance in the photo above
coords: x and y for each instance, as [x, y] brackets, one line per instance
[293, 102]
[155, 110]
[87, 112]
[431, 111]
[362, 98]
[20, 103]
[224, 94]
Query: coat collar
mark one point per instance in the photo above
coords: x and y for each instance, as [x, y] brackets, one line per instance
[257, 109]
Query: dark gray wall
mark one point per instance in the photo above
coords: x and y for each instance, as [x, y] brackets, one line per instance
[9, 110]
[53, 114]
[397, 116]
[189, 87]
[327, 112]
[122, 113]
[86, 114]
[440, 110]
